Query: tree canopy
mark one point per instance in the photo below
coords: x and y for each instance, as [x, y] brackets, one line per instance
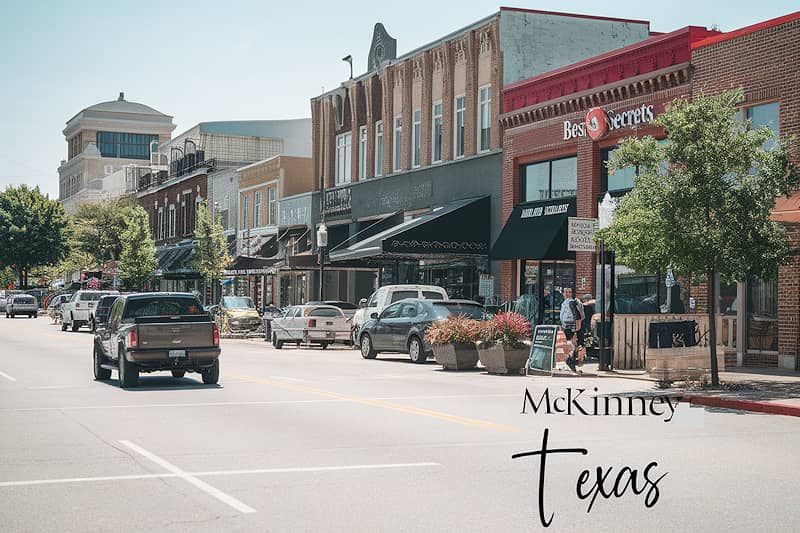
[211, 257]
[137, 259]
[97, 228]
[33, 230]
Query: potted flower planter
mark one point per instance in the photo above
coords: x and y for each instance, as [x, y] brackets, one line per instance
[456, 356]
[497, 359]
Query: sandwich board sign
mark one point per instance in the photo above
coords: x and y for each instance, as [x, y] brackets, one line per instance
[543, 349]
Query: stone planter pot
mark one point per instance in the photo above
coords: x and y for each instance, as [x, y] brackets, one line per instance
[456, 356]
[500, 360]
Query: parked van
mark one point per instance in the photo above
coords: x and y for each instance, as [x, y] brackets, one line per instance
[387, 295]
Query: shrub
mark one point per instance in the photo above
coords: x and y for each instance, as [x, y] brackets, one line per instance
[508, 329]
[453, 329]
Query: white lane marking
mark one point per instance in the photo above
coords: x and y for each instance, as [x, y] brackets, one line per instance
[214, 473]
[81, 479]
[254, 403]
[10, 378]
[314, 469]
[189, 478]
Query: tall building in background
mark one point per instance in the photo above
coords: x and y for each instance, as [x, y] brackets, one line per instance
[107, 145]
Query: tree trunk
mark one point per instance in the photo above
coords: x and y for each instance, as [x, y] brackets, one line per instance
[712, 326]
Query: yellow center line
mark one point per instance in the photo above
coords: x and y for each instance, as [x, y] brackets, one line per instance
[378, 403]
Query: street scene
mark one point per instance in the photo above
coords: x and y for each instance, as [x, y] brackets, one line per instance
[446, 268]
[309, 440]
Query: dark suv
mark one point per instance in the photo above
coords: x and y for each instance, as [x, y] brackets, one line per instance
[102, 310]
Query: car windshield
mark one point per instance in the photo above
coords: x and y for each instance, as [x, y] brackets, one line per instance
[163, 306]
[237, 302]
[444, 310]
[24, 300]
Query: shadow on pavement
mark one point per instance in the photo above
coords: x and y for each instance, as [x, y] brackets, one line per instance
[164, 383]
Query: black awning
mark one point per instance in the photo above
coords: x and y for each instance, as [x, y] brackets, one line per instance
[270, 247]
[456, 229]
[245, 265]
[536, 230]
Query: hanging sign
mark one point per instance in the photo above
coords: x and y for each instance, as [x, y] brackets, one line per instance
[543, 348]
[580, 235]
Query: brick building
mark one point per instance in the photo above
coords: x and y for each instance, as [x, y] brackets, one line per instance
[409, 152]
[762, 59]
[554, 167]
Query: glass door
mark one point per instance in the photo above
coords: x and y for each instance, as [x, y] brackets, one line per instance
[542, 289]
[762, 315]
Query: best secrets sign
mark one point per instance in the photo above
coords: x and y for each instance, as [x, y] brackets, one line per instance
[599, 122]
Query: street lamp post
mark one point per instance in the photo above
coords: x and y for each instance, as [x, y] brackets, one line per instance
[322, 243]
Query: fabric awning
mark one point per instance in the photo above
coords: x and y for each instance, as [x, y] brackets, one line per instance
[270, 247]
[458, 228]
[536, 230]
[245, 265]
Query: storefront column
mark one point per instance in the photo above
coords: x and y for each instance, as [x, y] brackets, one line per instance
[587, 197]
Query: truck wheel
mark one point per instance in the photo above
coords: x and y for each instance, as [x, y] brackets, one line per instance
[276, 343]
[75, 326]
[12, 315]
[100, 373]
[128, 372]
[211, 374]
[178, 373]
[93, 325]
[63, 326]
[367, 351]
[416, 350]
[324, 345]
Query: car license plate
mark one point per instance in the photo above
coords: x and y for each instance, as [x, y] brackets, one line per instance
[177, 353]
[328, 323]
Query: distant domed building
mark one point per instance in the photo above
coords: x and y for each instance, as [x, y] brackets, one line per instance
[106, 143]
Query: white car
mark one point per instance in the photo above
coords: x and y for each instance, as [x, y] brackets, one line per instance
[386, 296]
[311, 324]
[79, 311]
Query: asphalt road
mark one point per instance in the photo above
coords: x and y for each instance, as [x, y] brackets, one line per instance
[312, 440]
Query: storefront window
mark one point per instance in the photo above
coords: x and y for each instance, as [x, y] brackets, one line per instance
[550, 179]
[619, 179]
[639, 293]
[542, 291]
[762, 315]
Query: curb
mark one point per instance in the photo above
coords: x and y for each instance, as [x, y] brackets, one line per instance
[743, 405]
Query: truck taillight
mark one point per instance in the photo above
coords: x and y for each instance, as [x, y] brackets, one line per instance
[133, 339]
[216, 335]
[312, 323]
[77, 305]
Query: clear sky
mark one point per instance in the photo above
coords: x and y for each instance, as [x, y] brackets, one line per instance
[237, 59]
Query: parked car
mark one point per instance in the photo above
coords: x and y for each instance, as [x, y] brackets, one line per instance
[79, 311]
[349, 309]
[311, 324]
[55, 304]
[5, 294]
[236, 314]
[102, 310]
[21, 304]
[155, 331]
[401, 326]
[387, 295]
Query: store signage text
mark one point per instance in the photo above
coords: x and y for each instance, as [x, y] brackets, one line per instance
[599, 122]
[530, 212]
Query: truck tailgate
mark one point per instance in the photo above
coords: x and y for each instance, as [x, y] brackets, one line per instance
[176, 335]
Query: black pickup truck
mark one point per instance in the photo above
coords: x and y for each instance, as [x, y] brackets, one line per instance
[155, 331]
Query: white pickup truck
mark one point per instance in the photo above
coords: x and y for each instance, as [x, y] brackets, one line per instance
[311, 324]
[79, 311]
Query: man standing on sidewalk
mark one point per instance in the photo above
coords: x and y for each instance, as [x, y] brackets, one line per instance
[572, 317]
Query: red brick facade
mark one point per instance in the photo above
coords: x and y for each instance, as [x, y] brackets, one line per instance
[182, 195]
[762, 59]
[651, 73]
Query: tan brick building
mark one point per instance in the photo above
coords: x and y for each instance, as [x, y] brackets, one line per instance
[420, 131]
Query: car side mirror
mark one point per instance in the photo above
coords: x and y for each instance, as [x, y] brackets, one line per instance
[362, 302]
[374, 316]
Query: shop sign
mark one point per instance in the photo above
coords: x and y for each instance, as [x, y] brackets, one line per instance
[599, 122]
[531, 212]
[338, 201]
[486, 286]
[580, 234]
[543, 348]
[252, 272]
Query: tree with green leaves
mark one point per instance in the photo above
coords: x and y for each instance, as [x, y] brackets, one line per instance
[701, 202]
[33, 230]
[97, 228]
[137, 259]
[211, 257]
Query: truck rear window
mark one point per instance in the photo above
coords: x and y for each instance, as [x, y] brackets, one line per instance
[90, 296]
[163, 306]
[24, 300]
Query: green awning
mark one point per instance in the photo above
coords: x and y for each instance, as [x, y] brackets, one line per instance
[536, 230]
